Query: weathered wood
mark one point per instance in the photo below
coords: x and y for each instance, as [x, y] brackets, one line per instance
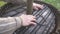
[29, 6]
[45, 20]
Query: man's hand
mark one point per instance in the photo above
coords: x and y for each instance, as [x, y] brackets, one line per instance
[28, 20]
[37, 6]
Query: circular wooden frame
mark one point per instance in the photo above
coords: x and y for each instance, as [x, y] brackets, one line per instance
[45, 19]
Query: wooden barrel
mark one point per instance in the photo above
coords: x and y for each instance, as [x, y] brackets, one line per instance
[45, 19]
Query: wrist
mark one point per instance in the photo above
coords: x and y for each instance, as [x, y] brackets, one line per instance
[18, 22]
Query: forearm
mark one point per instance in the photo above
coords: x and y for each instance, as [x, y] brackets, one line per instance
[10, 23]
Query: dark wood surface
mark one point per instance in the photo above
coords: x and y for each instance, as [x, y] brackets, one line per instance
[45, 20]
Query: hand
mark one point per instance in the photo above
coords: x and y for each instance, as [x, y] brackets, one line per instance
[28, 20]
[37, 6]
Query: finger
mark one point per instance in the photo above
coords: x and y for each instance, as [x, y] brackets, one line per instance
[32, 17]
[35, 8]
[33, 20]
[39, 6]
[33, 23]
